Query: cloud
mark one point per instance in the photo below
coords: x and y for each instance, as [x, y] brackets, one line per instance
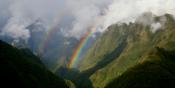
[155, 27]
[76, 17]
[17, 31]
[86, 14]
[23, 13]
[129, 10]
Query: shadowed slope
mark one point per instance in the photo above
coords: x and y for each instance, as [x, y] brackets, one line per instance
[24, 70]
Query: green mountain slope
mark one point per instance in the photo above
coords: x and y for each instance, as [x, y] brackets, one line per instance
[156, 71]
[139, 40]
[21, 69]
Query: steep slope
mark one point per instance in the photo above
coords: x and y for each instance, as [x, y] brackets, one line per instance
[20, 68]
[102, 48]
[139, 40]
[156, 71]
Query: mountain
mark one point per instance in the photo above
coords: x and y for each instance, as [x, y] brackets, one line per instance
[22, 69]
[122, 47]
[157, 70]
[50, 44]
[138, 54]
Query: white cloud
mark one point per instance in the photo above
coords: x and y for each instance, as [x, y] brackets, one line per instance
[78, 16]
[17, 31]
[155, 27]
[129, 10]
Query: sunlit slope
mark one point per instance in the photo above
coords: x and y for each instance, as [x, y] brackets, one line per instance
[139, 40]
[22, 69]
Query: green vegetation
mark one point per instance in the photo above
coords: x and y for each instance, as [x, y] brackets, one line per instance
[125, 56]
[22, 69]
[139, 41]
[156, 71]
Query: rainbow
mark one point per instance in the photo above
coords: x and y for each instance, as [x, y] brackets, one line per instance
[46, 40]
[44, 43]
[76, 55]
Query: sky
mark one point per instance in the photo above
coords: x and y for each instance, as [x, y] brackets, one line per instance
[75, 17]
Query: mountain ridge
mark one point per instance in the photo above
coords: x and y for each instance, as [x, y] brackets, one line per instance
[140, 39]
